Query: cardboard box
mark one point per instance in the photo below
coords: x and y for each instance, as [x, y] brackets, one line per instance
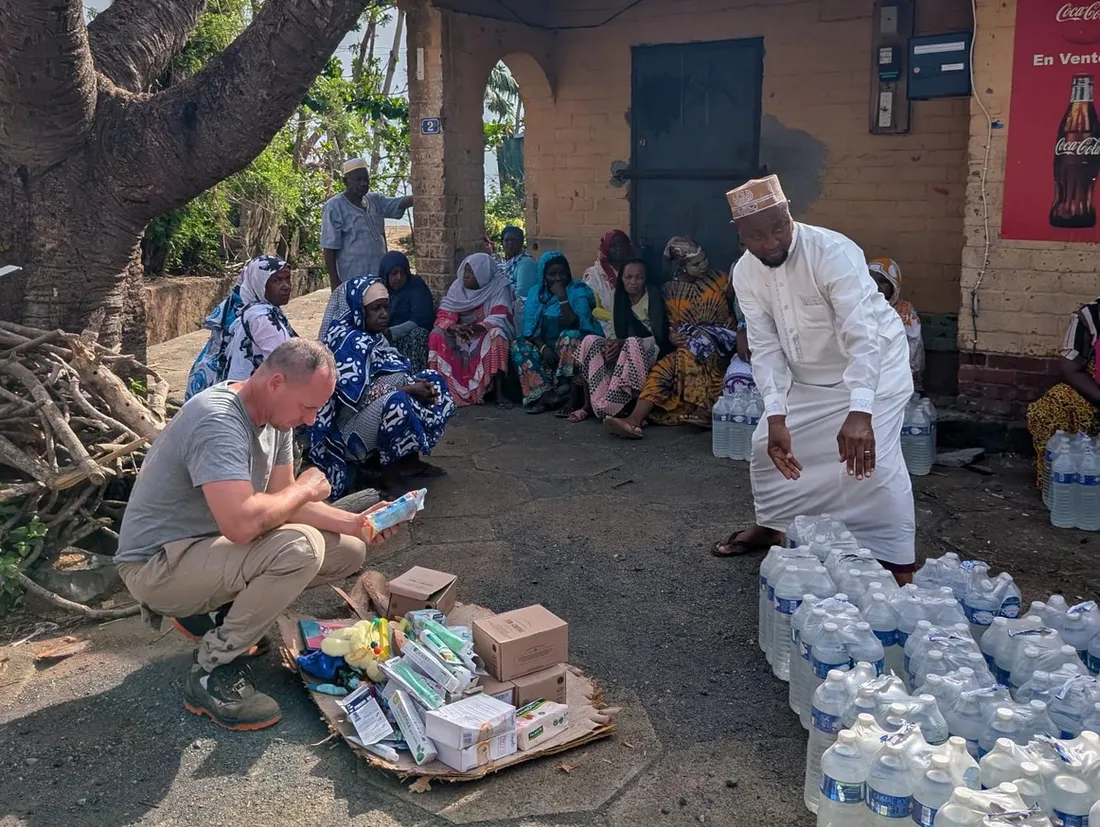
[518, 643]
[480, 753]
[501, 690]
[540, 722]
[407, 715]
[544, 685]
[421, 588]
[465, 723]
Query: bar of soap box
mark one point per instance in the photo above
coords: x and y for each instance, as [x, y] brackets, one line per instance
[472, 732]
[539, 722]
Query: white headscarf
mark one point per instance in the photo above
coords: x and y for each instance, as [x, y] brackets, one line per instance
[493, 287]
[254, 277]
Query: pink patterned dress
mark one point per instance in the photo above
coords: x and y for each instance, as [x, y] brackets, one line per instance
[469, 367]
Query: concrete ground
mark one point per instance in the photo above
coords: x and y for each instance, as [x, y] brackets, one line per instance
[612, 536]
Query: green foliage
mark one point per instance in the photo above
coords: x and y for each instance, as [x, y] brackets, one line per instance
[15, 546]
[277, 199]
[502, 207]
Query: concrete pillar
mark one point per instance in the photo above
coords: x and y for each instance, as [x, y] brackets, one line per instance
[446, 81]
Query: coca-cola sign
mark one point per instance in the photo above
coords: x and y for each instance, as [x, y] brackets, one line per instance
[1070, 12]
[1079, 23]
[1085, 146]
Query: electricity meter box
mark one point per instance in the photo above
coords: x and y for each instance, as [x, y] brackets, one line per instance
[939, 66]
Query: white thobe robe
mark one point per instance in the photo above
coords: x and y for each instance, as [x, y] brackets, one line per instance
[825, 342]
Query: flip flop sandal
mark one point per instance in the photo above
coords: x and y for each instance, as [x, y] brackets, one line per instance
[563, 413]
[505, 404]
[579, 415]
[738, 548]
[619, 428]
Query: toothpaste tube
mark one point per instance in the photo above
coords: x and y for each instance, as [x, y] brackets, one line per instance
[454, 661]
[402, 673]
[412, 728]
[421, 659]
[418, 618]
[401, 510]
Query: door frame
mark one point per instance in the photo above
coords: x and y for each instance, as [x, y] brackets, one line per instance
[735, 177]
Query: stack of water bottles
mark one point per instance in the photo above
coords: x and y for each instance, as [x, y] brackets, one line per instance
[1071, 481]
[918, 436]
[936, 697]
[733, 418]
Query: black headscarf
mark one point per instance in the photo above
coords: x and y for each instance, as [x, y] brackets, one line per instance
[627, 324]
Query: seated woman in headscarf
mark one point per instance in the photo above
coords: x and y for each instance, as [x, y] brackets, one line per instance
[244, 327]
[558, 314]
[887, 275]
[381, 406]
[212, 364]
[261, 326]
[684, 385]
[615, 368]
[412, 308]
[469, 344]
[615, 251]
[517, 265]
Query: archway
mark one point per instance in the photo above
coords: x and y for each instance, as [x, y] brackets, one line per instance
[518, 129]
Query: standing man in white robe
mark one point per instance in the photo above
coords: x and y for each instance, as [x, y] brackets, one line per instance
[830, 358]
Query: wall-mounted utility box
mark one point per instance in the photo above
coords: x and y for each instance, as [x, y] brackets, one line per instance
[939, 66]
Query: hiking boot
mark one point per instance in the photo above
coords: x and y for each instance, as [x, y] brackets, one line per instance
[228, 696]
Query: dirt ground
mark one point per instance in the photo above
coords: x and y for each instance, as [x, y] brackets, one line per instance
[613, 537]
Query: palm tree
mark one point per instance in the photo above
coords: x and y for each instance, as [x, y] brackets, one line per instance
[502, 98]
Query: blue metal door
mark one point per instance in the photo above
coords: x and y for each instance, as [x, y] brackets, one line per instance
[696, 134]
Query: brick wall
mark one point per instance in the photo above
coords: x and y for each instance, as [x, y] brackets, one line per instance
[1029, 289]
[901, 196]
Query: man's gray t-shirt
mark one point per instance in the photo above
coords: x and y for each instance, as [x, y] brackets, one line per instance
[211, 439]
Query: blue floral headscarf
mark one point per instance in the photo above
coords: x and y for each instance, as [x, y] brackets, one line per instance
[361, 358]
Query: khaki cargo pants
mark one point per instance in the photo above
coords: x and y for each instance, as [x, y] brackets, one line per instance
[195, 576]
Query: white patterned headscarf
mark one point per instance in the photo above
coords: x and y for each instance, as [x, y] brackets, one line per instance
[254, 277]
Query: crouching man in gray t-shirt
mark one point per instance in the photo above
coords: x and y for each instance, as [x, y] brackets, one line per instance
[221, 537]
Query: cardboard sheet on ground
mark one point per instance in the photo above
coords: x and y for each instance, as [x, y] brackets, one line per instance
[589, 719]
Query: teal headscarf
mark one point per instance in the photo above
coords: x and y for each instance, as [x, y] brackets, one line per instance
[542, 313]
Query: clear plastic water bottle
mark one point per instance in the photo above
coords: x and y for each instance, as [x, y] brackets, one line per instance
[865, 647]
[1088, 492]
[719, 426]
[981, 604]
[843, 783]
[1070, 800]
[754, 411]
[889, 789]
[922, 454]
[964, 718]
[1030, 784]
[790, 588]
[932, 790]
[933, 420]
[1063, 491]
[933, 727]
[1003, 725]
[1008, 593]
[1082, 624]
[885, 626]
[1001, 763]
[1056, 443]
[1055, 611]
[826, 712]
[829, 652]
[802, 678]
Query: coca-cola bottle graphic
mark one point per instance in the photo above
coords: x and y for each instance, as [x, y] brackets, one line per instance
[1077, 159]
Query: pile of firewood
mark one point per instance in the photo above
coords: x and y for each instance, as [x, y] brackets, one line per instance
[75, 420]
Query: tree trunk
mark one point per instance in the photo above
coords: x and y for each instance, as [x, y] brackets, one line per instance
[85, 165]
[387, 84]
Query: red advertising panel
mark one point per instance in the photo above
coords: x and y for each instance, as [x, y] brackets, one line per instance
[1054, 133]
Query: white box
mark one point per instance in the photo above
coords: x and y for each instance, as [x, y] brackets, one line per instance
[540, 721]
[462, 724]
[480, 753]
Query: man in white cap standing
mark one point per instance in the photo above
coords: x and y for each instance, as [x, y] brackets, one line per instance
[353, 231]
[830, 358]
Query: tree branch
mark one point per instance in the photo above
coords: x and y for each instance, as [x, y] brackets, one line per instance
[214, 124]
[132, 41]
[47, 81]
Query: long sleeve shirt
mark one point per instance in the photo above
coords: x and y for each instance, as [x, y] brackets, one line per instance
[818, 319]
